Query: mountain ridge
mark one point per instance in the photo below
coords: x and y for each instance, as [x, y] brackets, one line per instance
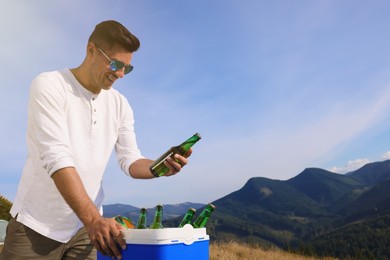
[298, 213]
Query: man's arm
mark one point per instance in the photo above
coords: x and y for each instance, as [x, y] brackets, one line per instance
[101, 231]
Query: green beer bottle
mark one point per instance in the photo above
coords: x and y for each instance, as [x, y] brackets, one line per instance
[125, 222]
[158, 168]
[157, 221]
[201, 220]
[188, 217]
[142, 219]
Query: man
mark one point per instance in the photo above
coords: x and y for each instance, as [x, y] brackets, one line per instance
[75, 120]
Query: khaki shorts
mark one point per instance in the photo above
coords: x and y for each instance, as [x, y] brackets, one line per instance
[21, 242]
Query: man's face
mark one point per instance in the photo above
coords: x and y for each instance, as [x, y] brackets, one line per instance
[104, 74]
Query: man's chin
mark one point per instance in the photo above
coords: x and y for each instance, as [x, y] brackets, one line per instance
[107, 87]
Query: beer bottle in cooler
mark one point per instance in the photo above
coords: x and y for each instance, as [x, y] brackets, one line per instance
[125, 222]
[188, 217]
[158, 168]
[142, 219]
[157, 221]
[201, 220]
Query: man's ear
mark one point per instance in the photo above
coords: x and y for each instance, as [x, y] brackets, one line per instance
[91, 49]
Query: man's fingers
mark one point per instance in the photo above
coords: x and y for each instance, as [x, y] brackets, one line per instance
[172, 165]
[98, 247]
[108, 243]
[103, 247]
[120, 240]
[112, 248]
[188, 154]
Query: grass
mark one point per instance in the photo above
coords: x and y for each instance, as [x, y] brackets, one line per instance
[235, 250]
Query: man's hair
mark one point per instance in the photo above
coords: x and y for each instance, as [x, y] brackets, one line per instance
[110, 33]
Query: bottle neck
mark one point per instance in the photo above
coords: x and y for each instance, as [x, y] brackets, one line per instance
[142, 219]
[190, 142]
[158, 215]
[158, 218]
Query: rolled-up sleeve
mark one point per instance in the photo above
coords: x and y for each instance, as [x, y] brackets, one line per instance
[47, 122]
[126, 147]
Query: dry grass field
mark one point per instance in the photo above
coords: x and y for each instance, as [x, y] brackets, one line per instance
[235, 251]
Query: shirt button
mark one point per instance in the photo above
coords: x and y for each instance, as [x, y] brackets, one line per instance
[94, 110]
[93, 99]
[94, 122]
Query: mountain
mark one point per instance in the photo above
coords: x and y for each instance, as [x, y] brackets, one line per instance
[329, 189]
[323, 186]
[113, 210]
[372, 173]
[308, 210]
[170, 211]
[375, 201]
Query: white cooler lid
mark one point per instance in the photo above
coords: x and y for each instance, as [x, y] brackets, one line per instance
[186, 235]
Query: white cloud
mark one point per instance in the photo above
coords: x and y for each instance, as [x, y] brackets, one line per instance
[351, 166]
[386, 155]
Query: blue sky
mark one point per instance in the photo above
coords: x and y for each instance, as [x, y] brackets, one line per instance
[273, 87]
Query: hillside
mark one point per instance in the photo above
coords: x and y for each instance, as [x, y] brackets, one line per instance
[372, 173]
[308, 211]
[325, 187]
[374, 201]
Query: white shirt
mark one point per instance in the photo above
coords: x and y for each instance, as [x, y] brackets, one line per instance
[69, 126]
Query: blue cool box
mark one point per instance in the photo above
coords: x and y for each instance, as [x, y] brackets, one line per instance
[165, 244]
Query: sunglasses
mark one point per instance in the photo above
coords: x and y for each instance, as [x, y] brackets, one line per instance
[116, 65]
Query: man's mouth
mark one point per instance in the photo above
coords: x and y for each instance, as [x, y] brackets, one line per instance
[112, 78]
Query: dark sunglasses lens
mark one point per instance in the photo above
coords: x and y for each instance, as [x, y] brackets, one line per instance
[116, 65]
[128, 69]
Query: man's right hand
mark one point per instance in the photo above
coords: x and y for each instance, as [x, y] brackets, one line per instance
[106, 236]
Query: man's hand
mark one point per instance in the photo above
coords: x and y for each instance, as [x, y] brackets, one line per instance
[106, 236]
[175, 164]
